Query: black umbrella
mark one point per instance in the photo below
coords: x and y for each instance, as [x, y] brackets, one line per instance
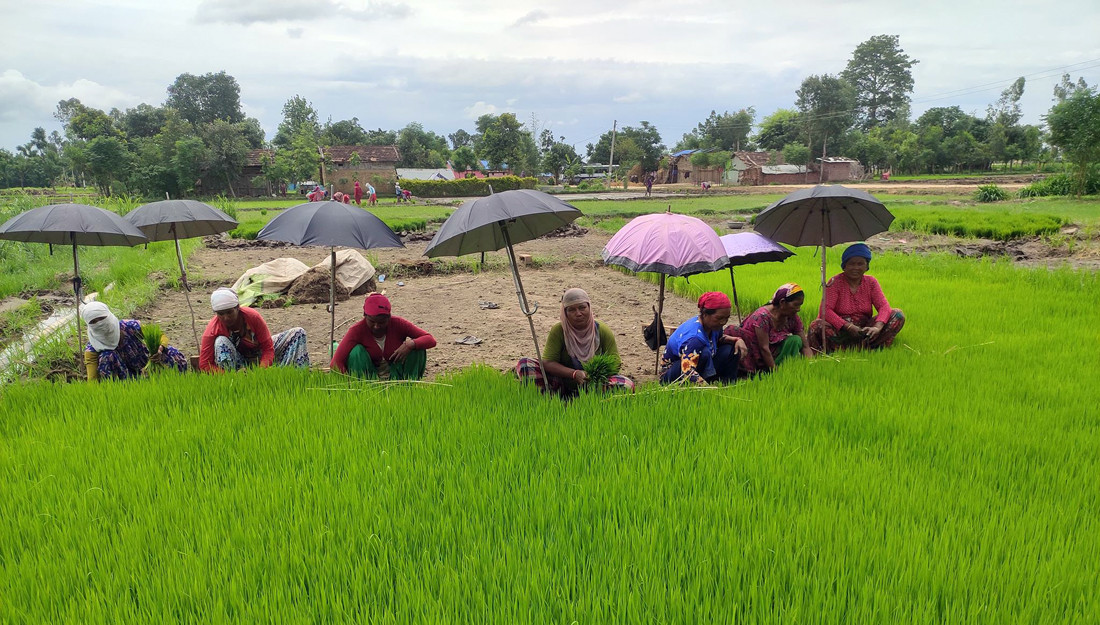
[330, 224]
[749, 248]
[825, 216]
[172, 220]
[72, 224]
[498, 221]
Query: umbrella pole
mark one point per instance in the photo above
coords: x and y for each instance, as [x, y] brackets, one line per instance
[821, 309]
[523, 301]
[76, 290]
[332, 302]
[660, 323]
[186, 289]
[736, 304]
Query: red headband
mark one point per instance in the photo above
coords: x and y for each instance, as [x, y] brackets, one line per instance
[713, 300]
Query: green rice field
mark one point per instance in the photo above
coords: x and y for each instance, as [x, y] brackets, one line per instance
[949, 479]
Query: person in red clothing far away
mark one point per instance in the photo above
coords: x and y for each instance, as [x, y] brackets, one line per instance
[846, 318]
[383, 346]
[237, 337]
[358, 193]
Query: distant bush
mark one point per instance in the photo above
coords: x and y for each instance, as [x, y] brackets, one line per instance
[466, 187]
[989, 225]
[990, 193]
[1062, 184]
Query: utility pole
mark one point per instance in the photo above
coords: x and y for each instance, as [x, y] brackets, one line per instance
[821, 171]
[614, 127]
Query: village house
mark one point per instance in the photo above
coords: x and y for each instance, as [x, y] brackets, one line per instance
[763, 168]
[376, 164]
[681, 169]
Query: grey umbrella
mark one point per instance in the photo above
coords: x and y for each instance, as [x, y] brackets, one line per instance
[749, 248]
[72, 224]
[499, 221]
[172, 220]
[825, 216]
[330, 224]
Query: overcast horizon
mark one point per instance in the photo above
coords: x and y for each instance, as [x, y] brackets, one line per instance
[575, 66]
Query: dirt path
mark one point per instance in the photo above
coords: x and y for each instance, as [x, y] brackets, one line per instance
[449, 306]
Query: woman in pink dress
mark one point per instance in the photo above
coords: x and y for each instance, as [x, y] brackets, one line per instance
[856, 314]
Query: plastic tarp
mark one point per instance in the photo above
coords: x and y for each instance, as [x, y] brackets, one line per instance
[277, 276]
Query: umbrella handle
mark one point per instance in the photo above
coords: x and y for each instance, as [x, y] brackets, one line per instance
[531, 312]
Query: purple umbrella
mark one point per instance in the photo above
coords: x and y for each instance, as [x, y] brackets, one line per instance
[749, 248]
[668, 244]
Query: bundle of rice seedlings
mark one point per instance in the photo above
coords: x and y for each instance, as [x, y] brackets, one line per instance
[600, 368]
[153, 335]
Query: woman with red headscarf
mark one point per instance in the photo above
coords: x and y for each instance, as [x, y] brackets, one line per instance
[571, 343]
[698, 352]
[358, 193]
[383, 346]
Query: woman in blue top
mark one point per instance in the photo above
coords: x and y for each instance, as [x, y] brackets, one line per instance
[698, 352]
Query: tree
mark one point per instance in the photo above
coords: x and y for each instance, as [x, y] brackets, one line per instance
[300, 159]
[502, 142]
[727, 132]
[252, 132]
[89, 123]
[381, 137]
[826, 105]
[1074, 124]
[344, 132]
[1006, 111]
[796, 154]
[559, 158]
[779, 129]
[189, 159]
[204, 99]
[881, 74]
[464, 159]
[421, 148]
[227, 151]
[460, 138]
[142, 121]
[107, 161]
[645, 137]
[296, 111]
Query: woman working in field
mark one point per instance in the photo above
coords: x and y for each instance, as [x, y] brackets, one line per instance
[238, 337]
[117, 350]
[572, 342]
[698, 352]
[846, 316]
[774, 332]
[383, 346]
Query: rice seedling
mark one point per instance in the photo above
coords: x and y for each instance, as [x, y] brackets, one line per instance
[601, 367]
[153, 336]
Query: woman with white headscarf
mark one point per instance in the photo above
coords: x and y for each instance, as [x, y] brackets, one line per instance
[238, 337]
[116, 349]
[571, 343]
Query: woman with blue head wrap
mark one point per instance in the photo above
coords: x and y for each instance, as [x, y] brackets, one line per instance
[855, 313]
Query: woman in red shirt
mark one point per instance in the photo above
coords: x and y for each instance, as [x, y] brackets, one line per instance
[383, 346]
[847, 317]
[238, 337]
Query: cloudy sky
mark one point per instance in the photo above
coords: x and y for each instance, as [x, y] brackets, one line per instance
[575, 65]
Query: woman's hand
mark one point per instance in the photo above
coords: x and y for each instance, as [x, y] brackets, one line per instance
[580, 377]
[854, 330]
[402, 352]
[741, 348]
[872, 333]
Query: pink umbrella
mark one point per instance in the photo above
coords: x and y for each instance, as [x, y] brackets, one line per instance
[668, 244]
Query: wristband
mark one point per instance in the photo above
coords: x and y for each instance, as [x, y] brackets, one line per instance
[574, 376]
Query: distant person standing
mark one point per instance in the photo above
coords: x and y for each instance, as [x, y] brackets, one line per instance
[358, 193]
[373, 194]
[397, 190]
[648, 184]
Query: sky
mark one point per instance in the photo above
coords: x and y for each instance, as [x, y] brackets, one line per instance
[573, 66]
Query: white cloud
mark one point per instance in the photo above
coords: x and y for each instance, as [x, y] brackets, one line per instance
[626, 99]
[477, 109]
[295, 32]
[20, 96]
[248, 12]
[532, 17]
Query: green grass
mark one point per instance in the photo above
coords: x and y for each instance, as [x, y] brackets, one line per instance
[949, 479]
